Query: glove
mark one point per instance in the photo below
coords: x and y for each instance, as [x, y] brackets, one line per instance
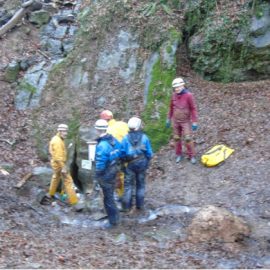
[64, 170]
[194, 126]
[168, 123]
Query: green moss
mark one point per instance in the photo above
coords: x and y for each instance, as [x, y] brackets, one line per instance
[219, 54]
[74, 125]
[156, 110]
[175, 35]
[27, 87]
[12, 72]
[197, 13]
[169, 49]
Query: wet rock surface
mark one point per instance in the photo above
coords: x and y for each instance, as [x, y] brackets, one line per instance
[55, 236]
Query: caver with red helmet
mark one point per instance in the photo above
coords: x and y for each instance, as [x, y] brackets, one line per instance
[106, 115]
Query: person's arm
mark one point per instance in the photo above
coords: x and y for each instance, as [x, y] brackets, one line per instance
[100, 157]
[149, 151]
[193, 109]
[170, 113]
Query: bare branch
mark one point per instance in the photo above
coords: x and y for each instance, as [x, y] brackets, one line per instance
[16, 17]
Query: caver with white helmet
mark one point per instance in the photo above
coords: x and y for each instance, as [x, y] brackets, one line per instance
[183, 114]
[58, 154]
[137, 151]
[106, 158]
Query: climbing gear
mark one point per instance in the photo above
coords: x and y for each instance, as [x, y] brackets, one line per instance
[178, 159]
[101, 124]
[216, 155]
[62, 127]
[134, 123]
[106, 115]
[194, 126]
[168, 123]
[193, 160]
[177, 82]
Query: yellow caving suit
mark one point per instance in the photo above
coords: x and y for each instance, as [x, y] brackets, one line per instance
[58, 153]
[118, 129]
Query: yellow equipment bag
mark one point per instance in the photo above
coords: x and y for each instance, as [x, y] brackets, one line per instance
[216, 155]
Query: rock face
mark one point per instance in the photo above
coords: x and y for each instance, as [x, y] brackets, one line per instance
[214, 223]
[233, 51]
[84, 176]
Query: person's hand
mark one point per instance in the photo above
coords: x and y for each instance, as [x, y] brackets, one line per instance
[64, 170]
[168, 123]
[194, 126]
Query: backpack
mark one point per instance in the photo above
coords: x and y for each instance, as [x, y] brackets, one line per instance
[216, 155]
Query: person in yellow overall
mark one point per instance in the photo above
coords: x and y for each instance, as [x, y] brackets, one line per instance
[58, 153]
[118, 129]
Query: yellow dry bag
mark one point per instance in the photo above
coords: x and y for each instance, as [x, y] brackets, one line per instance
[216, 155]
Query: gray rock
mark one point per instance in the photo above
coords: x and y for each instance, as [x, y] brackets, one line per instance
[42, 171]
[54, 47]
[85, 176]
[147, 71]
[12, 71]
[39, 17]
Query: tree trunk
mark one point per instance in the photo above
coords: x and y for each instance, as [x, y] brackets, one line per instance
[16, 17]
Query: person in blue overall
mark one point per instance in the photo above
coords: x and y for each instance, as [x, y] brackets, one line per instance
[137, 151]
[106, 159]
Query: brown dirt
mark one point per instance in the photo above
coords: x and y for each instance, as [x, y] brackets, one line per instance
[234, 114]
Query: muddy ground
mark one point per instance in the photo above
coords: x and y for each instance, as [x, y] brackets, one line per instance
[43, 236]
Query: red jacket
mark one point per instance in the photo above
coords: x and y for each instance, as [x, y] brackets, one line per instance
[183, 107]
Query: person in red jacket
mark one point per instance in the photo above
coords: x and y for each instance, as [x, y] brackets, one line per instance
[183, 115]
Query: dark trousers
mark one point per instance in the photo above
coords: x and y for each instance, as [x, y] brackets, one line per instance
[139, 178]
[107, 183]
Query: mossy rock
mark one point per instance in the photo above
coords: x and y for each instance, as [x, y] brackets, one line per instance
[12, 72]
[39, 17]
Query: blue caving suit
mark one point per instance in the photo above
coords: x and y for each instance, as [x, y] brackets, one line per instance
[137, 151]
[106, 158]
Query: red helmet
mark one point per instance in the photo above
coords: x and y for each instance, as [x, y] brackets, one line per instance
[106, 115]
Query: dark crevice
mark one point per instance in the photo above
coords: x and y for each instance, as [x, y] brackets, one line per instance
[74, 171]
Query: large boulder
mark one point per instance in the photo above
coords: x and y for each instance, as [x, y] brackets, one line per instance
[84, 175]
[215, 223]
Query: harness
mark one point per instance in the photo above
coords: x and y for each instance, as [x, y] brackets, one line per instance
[136, 145]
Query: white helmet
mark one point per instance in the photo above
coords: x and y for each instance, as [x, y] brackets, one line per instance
[101, 124]
[134, 123]
[62, 127]
[177, 82]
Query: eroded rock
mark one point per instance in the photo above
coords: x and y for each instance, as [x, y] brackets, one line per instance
[215, 223]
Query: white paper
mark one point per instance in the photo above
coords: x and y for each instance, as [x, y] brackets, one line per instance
[86, 164]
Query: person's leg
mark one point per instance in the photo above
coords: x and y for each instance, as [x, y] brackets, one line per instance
[177, 131]
[140, 189]
[127, 197]
[68, 186]
[109, 203]
[56, 178]
[187, 134]
[120, 184]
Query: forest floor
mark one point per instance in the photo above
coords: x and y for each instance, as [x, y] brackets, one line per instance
[236, 114]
